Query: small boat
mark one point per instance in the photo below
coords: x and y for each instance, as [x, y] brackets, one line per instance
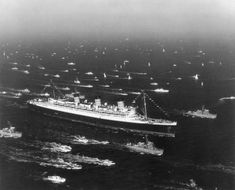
[196, 76]
[64, 88]
[71, 63]
[81, 139]
[57, 76]
[134, 92]
[96, 78]
[227, 98]
[56, 147]
[188, 62]
[154, 83]
[61, 163]
[26, 90]
[84, 140]
[105, 85]
[145, 148]
[26, 71]
[203, 113]
[11, 95]
[41, 67]
[85, 86]
[90, 160]
[161, 90]
[9, 132]
[77, 81]
[126, 61]
[200, 51]
[89, 73]
[55, 179]
[3, 92]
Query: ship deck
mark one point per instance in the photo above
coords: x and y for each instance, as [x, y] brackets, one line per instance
[101, 115]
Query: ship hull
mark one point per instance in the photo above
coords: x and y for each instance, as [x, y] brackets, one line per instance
[157, 152]
[158, 130]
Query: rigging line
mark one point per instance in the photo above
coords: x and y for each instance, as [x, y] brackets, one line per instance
[137, 97]
[44, 89]
[54, 87]
[142, 110]
[163, 111]
[157, 106]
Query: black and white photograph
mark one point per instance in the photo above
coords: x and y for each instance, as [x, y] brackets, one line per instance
[117, 94]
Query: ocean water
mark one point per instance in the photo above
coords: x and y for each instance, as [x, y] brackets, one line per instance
[201, 156]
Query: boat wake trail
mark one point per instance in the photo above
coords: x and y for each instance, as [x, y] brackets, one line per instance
[77, 139]
[48, 154]
[54, 147]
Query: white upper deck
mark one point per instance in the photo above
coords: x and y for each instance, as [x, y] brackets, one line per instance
[127, 114]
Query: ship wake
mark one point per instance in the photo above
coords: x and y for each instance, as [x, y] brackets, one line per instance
[49, 155]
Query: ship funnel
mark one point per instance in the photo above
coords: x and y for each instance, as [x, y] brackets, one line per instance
[98, 102]
[76, 99]
[120, 105]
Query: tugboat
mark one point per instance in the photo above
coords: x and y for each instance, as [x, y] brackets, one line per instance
[203, 113]
[96, 114]
[145, 148]
[55, 179]
[9, 132]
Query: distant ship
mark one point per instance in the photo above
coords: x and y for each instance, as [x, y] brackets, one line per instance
[10, 95]
[95, 113]
[9, 132]
[145, 148]
[203, 113]
[161, 90]
[54, 147]
[55, 179]
[227, 98]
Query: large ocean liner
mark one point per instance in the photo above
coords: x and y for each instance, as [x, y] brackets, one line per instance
[119, 117]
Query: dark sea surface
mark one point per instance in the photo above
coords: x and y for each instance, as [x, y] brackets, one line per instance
[201, 156]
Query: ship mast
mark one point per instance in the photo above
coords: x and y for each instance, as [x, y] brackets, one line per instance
[54, 88]
[145, 107]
